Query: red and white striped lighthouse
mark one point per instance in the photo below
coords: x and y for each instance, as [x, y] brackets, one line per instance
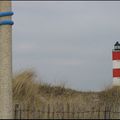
[116, 64]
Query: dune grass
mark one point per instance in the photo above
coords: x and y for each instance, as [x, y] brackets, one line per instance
[26, 90]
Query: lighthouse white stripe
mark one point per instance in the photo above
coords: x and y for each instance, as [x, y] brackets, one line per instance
[116, 81]
[116, 63]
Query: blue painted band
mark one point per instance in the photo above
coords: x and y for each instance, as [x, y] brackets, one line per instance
[6, 22]
[2, 14]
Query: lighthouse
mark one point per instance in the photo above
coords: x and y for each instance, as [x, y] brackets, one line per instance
[116, 64]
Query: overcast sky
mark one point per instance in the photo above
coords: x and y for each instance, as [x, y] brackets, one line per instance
[66, 42]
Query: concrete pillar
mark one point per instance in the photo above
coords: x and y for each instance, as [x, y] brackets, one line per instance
[6, 110]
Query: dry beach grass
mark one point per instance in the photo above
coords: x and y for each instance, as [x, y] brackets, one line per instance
[27, 91]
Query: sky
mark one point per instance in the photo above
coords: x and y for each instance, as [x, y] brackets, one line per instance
[66, 42]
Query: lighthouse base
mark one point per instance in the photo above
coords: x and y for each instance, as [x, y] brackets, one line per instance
[116, 81]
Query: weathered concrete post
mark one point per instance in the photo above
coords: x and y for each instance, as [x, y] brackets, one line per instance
[6, 110]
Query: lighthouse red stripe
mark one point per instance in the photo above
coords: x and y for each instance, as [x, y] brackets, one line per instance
[116, 72]
[116, 55]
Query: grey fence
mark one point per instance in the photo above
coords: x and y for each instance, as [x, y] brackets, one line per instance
[67, 111]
